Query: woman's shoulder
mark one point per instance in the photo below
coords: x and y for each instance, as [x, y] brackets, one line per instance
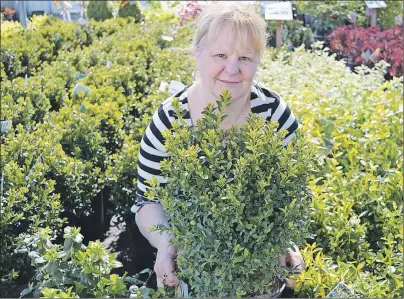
[166, 110]
[181, 95]
[265, 94]
[270, 105]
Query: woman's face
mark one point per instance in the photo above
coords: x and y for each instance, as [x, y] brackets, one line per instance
[227, 62]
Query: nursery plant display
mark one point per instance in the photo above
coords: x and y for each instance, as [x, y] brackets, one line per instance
[76, 100]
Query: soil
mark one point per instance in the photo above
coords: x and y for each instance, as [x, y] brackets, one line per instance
[133, 250]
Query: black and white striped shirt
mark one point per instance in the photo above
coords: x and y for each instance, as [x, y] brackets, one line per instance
[264, 102]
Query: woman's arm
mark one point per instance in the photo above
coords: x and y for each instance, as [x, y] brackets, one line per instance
[150, 215]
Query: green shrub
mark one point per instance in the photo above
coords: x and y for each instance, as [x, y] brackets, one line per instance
[90, 131]
[74, 269]
[323, 273]
[109, 26]
[130, 10]
[55, 79]
[24, 102]
[28, 198]
[234, 200]
[98, 10]
[120, 177]
[355, 120]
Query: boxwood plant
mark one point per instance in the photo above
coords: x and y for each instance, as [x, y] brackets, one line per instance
[236, 200]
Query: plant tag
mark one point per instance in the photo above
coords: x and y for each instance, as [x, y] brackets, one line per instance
[79, 87]
[182, 290]
[375, 56]
[80, 76]
[167, 38]
[82, 108]
[57, 36]
[25, 81]
[1, 184]
[366, 55]
[108, 65]
[174, 87]
[163, 86]
[5, 124]
[352, 17]
[341, 291]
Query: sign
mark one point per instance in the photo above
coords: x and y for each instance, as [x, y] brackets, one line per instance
[279, 11]
[352, 17]
[375, 4]
[5, 124]
[79, 87]
[341, 291]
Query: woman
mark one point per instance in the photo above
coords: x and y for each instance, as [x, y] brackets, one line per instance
[228, 46]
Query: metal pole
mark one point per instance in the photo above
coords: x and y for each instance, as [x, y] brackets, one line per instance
[22, 13]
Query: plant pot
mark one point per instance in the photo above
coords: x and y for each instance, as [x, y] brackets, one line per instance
[279, 286]
[275, 294]
[279, 292]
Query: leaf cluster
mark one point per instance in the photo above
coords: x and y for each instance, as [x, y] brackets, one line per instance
[71, 270]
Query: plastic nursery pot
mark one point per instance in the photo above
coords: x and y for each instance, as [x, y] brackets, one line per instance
[279, 292]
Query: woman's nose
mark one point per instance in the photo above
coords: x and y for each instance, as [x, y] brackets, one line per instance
[232, 67]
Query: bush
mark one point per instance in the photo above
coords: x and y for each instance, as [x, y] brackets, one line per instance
[28, 198]
[75, 270]
[356, 206]
[98, 10]
[120, 177]
[234, 200]
[370, 45]
[130, 10]
[24, 102]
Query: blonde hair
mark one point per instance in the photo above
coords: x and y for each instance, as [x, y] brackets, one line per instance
[240, 18]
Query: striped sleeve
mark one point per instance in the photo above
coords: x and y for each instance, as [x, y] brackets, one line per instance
[279, 111]
[151, 153]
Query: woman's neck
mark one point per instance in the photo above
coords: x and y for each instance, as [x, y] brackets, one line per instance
[236, 107]
[236, 112]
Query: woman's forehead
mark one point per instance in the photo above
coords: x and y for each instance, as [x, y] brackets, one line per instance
[229, 39]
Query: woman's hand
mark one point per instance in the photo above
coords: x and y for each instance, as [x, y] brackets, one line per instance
[165, 266]
[293, 260]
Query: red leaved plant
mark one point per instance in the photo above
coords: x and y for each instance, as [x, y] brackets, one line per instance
[369, 45]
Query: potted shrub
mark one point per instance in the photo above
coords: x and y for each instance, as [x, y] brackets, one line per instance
[235, 200]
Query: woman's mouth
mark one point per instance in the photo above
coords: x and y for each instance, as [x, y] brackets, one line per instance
[229, 83]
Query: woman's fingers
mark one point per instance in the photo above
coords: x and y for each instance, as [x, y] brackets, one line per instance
[295, 260]
[171, 280]
[165, 266]
[282, 261]
[167, 278]
[290, 283]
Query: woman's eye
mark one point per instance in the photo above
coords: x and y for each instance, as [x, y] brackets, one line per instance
[244, 58]
[221, 55]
